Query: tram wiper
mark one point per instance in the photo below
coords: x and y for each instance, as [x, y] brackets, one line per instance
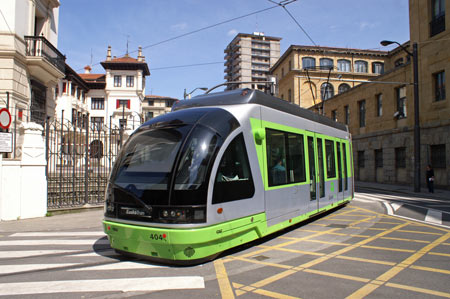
[134, 196]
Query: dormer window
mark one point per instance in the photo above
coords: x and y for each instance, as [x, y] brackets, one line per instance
[130, 81]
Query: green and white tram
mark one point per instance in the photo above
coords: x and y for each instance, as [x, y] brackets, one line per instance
[221, 170]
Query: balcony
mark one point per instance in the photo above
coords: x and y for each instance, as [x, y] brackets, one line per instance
[44, 60]
[437, 25]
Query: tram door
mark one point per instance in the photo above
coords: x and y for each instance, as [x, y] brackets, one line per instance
[316, 171]
[340, 171]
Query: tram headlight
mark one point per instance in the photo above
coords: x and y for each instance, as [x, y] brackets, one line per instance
[165, 213]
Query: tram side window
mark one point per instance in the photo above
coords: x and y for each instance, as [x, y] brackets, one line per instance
[285, 158]
[234, 178]
[330, 157]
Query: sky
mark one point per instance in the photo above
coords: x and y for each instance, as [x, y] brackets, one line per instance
[87, 27]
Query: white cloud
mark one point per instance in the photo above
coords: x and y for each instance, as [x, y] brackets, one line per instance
[232, 32]
[179, 26]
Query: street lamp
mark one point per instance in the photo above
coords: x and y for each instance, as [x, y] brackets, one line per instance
[416, 110]
[189, 94]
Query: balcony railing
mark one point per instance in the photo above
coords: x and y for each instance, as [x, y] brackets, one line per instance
[437, 25]
[39, 46]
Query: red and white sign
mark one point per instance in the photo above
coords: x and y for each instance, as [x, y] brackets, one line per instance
[5, 118]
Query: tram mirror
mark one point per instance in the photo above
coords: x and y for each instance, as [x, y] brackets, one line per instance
[260, 134]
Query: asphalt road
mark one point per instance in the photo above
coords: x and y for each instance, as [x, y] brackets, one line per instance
[357, 251]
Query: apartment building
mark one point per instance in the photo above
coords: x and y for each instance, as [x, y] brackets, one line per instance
[309, 75]
[154, 106]
[248, 58]
[29, 59]
[381, 114]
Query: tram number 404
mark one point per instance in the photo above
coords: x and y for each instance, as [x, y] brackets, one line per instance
[157, 237]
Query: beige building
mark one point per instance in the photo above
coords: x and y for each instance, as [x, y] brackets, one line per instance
[381, 115]
[308, 75]
[154, 105]
[30, 62]
[248, 58]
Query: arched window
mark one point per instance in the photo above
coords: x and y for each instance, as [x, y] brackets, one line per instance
[378, 68]
[361, 66]
[326, 91]
[344, 65]
[343, 87]
[326, 63]
[308, 63]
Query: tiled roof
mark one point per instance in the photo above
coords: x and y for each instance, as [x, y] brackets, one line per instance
[149, 97]
[125, 59]
[93, 77]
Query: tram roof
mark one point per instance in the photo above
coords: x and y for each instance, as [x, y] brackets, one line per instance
[251, 96]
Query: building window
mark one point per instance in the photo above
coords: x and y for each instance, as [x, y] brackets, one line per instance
[148, 115]
[344, 65]
[401, 102]
[437, 24]
[361, 66]
[379, 107]
[97, 103]
[326, 64]
[378, 68]
[343, 88]
[130, 81]
[151, 102]
[439, 86]
[400, 157]
[378, 158]
[326, 91]
[438, 156]
[285, 158]
[398, 62]
[347, 114]
[122, 123]
[289, 95]
[290, 65]
[361, 159]
[64, 87]
[308, 63]
[97, 123]
[334, 115]
[72, 89]
[117, 81]
[362, 113]
[282, 72]
[122, 103]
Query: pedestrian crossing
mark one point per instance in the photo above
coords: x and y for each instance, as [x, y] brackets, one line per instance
[408, 210]
[80, 262]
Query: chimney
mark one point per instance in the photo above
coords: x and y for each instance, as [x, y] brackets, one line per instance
[140, 57]
[108, 55]
[87, 69]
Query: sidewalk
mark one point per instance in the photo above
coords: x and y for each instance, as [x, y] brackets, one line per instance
[409, 190]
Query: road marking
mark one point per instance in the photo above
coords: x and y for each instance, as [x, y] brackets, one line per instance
[430, 269]
[434, 217]
[418, 290]
[146, 284]
[118, 266]
[396, 206]
[222, 279]
[10, 269]
[108, 252]
[58, 234]
[27, 253]
[53, 242]
[342, 276]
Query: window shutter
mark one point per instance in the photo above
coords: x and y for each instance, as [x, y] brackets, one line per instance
[128, 104]
[117, 104]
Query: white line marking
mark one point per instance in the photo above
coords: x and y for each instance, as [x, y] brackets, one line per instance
[9, 269]
[103, 285]
[118, 266]
[58, 234]
[389, 209]
[396, 206]
[108, 252]
[53, 242]
[434, 217]
[27, 253]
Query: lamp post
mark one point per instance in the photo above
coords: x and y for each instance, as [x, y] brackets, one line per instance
[416, 110]
[189, 94]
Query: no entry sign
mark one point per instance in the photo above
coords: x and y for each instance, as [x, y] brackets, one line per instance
[5, 118]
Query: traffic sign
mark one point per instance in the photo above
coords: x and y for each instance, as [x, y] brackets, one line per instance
[5, 118]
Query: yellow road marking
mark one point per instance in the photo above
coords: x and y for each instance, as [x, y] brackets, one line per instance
[294, 250]
[273, 278]
[420, 232]
[262, 263]
[430, 269]
[222, 278]
[388, 249]
[369, 288]
[331, 243]
[439, 253]
[343, 276]
[406, 240]
[273, 294]
[357, 259]
[419, 290]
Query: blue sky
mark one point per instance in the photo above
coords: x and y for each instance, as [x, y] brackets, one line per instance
[87, 27]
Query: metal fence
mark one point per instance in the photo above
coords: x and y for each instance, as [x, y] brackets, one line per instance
[79, 159]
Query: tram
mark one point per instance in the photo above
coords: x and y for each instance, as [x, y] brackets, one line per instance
[221, 170]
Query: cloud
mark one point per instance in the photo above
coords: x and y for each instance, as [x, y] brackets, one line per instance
[232, 32]
[179, 26]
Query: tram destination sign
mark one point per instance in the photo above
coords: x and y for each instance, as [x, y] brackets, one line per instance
[5, 142]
